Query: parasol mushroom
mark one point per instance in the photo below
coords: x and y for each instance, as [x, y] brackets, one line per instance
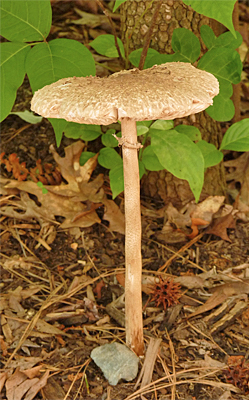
[168, 91]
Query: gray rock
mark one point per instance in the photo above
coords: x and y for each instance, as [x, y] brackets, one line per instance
[116, 362]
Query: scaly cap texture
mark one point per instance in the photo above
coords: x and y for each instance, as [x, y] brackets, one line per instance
[166, 91]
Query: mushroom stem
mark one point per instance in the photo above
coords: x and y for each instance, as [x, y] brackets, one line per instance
[133, 257]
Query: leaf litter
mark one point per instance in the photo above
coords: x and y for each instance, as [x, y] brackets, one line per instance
[64, 315]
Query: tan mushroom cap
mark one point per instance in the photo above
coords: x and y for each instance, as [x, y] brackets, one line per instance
[167, 91]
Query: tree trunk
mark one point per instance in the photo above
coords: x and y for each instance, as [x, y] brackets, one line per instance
[135, 23]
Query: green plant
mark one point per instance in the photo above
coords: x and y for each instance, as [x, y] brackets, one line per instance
[26, 25]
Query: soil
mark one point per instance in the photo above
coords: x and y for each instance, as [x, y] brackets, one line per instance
[191, 349]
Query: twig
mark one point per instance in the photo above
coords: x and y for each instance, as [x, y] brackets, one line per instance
[148, 36]
[185, 247]
[121, 59]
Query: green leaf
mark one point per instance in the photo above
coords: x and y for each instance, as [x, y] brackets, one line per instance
[109, 158]
[211, 155]
[28, 116]
[186, 44]
[116, 176]
[221, 11]
[61, 58]
[208, 36]
[162, 125]
[40, 185]
[191, 132]
[105, 45]
[85, 156]
[108, 139]
[59, 126]
[150, 160]
[134, 57]
[180, 156]
[223, 107]
[117, 4]
[142, 130]
[223, 63]
[25, 21]
[82, 131]
[13, 57]
[144, 123]
[227, 39]
[162, 59]
[236, 137]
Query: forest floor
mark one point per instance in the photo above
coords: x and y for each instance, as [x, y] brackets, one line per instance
[57, 278]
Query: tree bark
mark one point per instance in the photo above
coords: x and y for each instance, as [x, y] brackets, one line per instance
[136, 17]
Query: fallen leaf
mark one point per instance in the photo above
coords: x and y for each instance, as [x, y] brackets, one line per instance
[238, 172]
[42, 326]
[221, 293]
[90, 20]
[186, 223]
[121, 279]
[37, 386]
[115, 217]
[18, 385]
[191, 282]
[207, 363]
[73, 200]
[3, 377]
[220, 225]
[207, 208]
[32, 372]
[76, 201]
[24, 362]
[53, 390]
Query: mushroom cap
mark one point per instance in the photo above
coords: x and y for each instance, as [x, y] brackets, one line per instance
[166, 91]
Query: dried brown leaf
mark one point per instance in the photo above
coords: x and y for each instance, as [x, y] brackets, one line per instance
[237, 168]
[53, 390]
[24, 362]
[220, 226]
[238, 171]
[89, 19]
[37, 386]
[191, 282]
[17, 385]
[7, 332]
[32, 372]
[208, 363]
[221, 293]
[76, 201]
[185, 223]
[115, 217]
[42, 326]
[3, 377]
[207, 208]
